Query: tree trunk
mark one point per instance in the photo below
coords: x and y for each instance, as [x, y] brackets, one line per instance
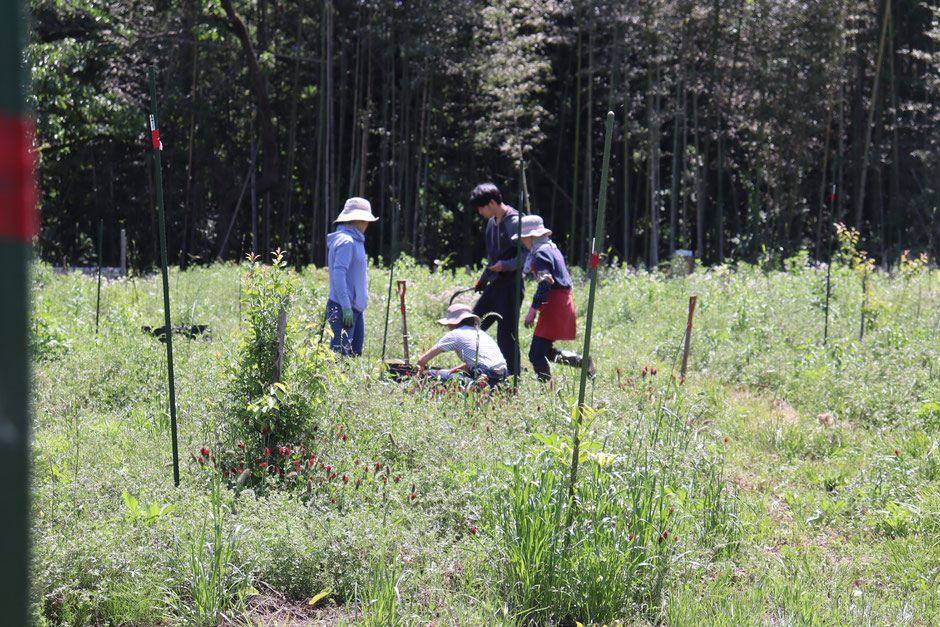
[269, 171]
[875, 95]
[576, 143]
[292, 130]
[422, 121]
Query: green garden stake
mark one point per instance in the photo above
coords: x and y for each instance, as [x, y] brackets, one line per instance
[595, 258]
[518, 293]
[157, 147]
[17, 228]
[832, 208]
[98, 300]
[388, 304]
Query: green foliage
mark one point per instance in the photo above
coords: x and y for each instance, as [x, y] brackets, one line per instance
[208, 585]
[138, 512]
[382, 603]
[802, 477]
[270, 403]
[584, 558]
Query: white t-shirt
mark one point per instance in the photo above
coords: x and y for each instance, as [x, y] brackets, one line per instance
[466, 341]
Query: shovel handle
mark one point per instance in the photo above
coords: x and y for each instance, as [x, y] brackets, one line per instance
[402, 286]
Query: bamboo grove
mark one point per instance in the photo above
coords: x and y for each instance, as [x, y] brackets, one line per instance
[744, 129]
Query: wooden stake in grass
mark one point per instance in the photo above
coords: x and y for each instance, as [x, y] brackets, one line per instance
[157, 147]
[595, 258]
[861, 329]
[688, 335]
[402, 286]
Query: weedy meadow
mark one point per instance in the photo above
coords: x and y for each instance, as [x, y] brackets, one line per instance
[791, 477]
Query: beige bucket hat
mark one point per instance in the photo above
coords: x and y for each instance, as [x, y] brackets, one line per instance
[456, 313]
[356, 209]
[532, 225]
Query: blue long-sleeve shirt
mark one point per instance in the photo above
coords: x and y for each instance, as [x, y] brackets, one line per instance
[346, 257]
[549, 269]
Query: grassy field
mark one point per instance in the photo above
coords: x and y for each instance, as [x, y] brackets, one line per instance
[786, 481]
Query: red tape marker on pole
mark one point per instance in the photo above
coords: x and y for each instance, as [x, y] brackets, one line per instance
[155, 135]
[18, 218]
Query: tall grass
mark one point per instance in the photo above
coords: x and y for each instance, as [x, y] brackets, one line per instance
[209, 584]
[614, 556]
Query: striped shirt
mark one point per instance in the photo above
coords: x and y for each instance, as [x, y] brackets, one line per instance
[466, 341]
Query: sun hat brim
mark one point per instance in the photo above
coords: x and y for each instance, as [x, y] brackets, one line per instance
[536, 232]
[356, 214]
[458, 318]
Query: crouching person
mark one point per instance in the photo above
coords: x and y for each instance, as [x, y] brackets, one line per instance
[478, 351]
[552, 300]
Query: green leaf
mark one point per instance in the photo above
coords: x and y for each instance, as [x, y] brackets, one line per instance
[318, 597]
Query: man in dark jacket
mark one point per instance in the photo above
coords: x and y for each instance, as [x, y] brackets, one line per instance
[498, 281]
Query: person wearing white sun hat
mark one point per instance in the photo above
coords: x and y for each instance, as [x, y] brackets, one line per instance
[349, 283]
[552, 301]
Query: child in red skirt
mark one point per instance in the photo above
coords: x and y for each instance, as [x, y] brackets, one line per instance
[552, 301]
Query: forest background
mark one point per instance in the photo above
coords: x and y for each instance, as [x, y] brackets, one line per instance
[744, 129]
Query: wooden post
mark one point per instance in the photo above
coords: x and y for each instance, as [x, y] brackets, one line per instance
[281, 331]
[402, 286]
[98, 298]
[123, 252]
[688, 336]
[861, 329]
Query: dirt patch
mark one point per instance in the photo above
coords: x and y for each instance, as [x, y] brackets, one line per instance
[273, 608]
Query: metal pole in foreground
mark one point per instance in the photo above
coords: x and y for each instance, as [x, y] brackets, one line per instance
[595, 258]
[157, 147]
[517, 295]
[17, 228]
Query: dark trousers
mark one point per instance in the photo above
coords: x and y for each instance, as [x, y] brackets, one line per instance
[541, 351]
[346, 342]
[500, 300]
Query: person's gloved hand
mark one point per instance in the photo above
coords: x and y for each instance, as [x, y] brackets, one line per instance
[348, 319]
[530, 317]
[479, 286]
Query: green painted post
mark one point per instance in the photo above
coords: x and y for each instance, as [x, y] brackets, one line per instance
[595, 258]
[17, 228]
[518, 293]
[832, 208]
[157, 147]
[98, 300]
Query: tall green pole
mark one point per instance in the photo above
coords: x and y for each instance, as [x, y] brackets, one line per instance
[595, 258]
[517, 294]
[17, 228]
[157, 147]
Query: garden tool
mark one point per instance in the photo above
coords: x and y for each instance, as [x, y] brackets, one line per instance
[458, 293]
